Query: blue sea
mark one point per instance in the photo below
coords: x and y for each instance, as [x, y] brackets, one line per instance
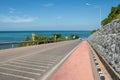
[16, 36]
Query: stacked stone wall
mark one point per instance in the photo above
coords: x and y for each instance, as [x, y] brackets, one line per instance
[106, 41]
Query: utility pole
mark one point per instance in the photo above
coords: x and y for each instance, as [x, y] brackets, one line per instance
[100, 16]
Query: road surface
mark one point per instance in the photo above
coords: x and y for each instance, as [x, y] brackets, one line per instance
[34, 62]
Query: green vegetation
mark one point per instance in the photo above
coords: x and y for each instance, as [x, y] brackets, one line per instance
[54, 37]
[93, 31]
[27, 39]
[74, 36]
[114, 14]
[57, 36]
[38, 37]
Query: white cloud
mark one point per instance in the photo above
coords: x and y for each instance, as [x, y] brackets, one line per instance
[87, 4]
[16, 19]
[48, 5]
[11, 10]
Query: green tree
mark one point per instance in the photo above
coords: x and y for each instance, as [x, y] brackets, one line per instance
[74, 36]
[105, 21]
[27, 39]
[114, 14]
[38, 38]
[93, 31]
[57, 36]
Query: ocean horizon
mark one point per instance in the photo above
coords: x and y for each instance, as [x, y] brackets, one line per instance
[16, 36]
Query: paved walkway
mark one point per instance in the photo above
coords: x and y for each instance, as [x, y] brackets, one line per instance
[76, 67]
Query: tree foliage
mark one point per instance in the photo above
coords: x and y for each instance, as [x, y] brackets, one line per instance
[74, 36]
[38, 37]
[54, 37]
[57, 36]
[93, 31]
[27, 39]
[114, 14]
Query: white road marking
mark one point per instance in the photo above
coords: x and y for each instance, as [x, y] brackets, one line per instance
[29, 64]
[21, 71]
[33, 62]
[27, 78]
[37, 61]
[48, 62]
[47, 75]
[53, 58]
[25, 67]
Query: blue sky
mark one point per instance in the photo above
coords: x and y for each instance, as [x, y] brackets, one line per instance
[53, 14]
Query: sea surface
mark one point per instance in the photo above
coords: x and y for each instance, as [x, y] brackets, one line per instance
[17, 36]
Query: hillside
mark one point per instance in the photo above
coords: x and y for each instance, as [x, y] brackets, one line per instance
[114, 14]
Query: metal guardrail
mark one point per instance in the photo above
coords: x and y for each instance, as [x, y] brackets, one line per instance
[27, 43]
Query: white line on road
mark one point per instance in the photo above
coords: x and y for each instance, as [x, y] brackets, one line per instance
[37, 63]
[51, 58]
[29, 65]
[48, 62]
[21, 71]
[17, 76]
[47, 75]
[25, 67]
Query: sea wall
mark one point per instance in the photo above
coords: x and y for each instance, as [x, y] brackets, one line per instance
[106, 41]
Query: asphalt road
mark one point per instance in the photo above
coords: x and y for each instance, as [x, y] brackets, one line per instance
[35, 62]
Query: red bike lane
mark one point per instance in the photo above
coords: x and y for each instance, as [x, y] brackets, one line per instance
[77, 66]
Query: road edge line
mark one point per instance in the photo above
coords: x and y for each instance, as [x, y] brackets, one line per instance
[51, 72]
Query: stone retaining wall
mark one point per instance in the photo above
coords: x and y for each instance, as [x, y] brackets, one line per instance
[106, 41]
